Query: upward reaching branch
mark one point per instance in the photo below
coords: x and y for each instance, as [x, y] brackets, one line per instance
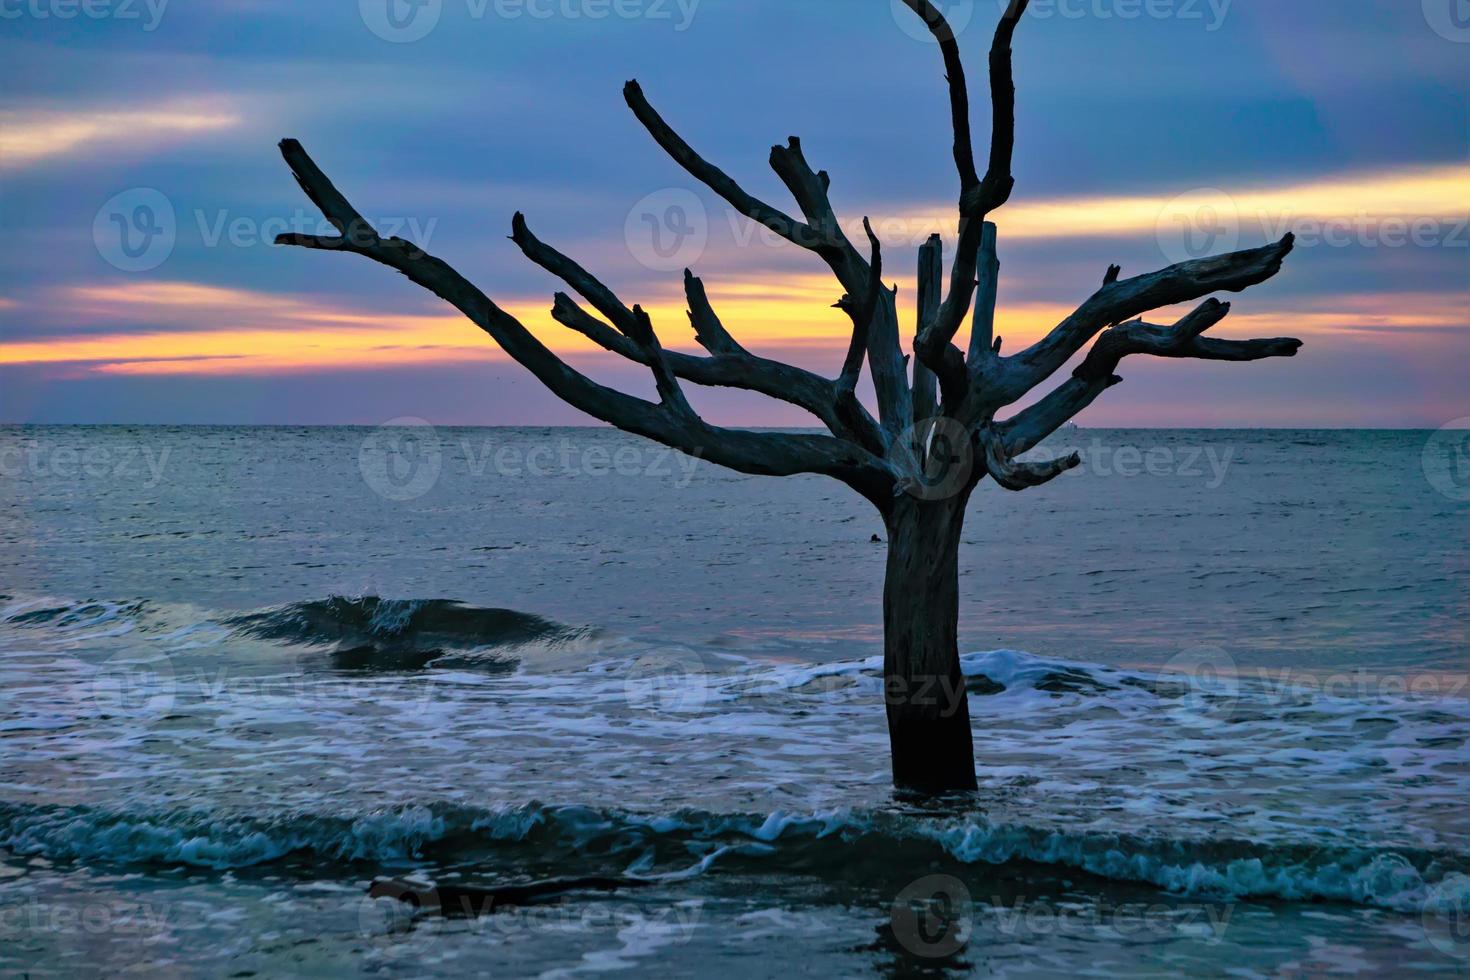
[820, 234]
[959, 93]
[978, 198]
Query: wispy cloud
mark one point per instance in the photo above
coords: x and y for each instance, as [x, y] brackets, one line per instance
[1439, 193]
[30, 136]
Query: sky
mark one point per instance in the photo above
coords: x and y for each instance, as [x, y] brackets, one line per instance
[140, 188]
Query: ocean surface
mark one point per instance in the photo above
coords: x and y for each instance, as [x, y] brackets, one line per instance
[1220, 708]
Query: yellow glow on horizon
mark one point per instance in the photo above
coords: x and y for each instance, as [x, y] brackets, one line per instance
[262, 333]
[26, 137]
[1343, 202]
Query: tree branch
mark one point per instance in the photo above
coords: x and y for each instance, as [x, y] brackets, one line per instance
[959, 94]
[1017, 476]
[1120, 300]
[1095, 374]
[982, 332]
[735, 369]
[845, 401]
[796, 232]
[931, 284]
[810, 191]
[890, 379]
[603, 300]
[1180, 340]
[996, 187]
[763, 453]
[978, 198]
[732, 367]
[708, 329]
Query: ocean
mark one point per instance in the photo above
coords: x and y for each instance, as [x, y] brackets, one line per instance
[1220, 689]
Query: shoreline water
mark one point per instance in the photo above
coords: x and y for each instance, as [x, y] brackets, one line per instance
[217, 736]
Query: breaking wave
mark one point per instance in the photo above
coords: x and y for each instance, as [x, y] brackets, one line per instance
[1402, 879]
[371, 631]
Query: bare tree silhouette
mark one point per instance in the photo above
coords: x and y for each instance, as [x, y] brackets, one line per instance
[936, 435]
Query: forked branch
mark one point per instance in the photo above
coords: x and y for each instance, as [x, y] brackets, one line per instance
[1122, 299]
[1095, 374]
[763, 453]
[730, 367]
[821, 234]
[978, 198]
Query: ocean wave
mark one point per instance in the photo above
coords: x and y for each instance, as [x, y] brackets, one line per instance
[66, 617]
[367, 631]
[1401, 879]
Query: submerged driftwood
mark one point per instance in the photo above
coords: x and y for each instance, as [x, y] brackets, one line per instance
[940, 420]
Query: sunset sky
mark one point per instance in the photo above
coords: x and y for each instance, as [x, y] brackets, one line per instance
[140, 185]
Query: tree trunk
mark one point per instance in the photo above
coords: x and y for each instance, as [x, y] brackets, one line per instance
[924, 690]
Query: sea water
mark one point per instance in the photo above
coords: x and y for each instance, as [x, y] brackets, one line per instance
[1218, 692]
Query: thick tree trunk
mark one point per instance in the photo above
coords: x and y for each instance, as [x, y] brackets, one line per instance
[928, 710]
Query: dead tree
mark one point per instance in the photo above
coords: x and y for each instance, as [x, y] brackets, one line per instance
[935, 436]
